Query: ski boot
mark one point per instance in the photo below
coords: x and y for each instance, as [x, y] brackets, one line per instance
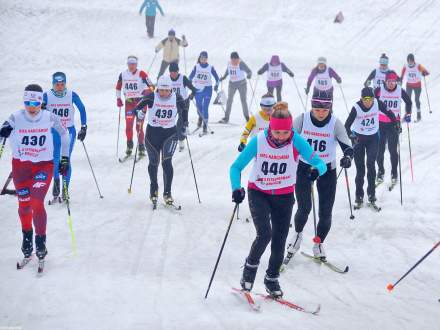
[273, 287]
[248, 277]
[199, 122]
[372, 203]
[55, 192]
[129, 148]
[419, 115]
[40, 245]
[379, 178]
[358, 202]
[27, 243]
[293, 248]
[153, 197]
[181, 145]
[168, 199]
[319, 252]
[141, 150]
[223, 121]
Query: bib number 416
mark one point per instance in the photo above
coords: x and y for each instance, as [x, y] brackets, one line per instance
[274, 168]
[317, 145]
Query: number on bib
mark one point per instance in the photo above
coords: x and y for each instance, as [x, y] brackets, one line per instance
[367, 122]
[61, 112]
[318, 145]
[273, 168]
[163, 113]
[33, 140]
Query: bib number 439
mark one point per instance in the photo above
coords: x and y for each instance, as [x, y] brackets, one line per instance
[162, 113]
[274, 168]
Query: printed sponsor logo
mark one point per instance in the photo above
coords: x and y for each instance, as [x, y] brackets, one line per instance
[40, 176]
[23, 192]
[38, 185]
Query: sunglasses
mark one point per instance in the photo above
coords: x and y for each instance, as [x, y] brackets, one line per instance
[32, 103]
[367, 98]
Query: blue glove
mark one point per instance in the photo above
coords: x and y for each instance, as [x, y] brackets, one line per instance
[407, 118]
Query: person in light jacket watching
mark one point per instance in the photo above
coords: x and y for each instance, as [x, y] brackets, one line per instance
[150, 7]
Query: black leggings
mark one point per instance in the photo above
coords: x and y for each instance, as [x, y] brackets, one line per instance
[367, 145]
[271, 215]
[388, 134]
[326, 185]
[417, 92]
[278, 89]
[160, 140]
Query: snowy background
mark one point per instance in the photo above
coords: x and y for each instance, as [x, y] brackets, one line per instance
[136, 269]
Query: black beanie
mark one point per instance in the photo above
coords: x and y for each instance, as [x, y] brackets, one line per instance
[174, 67]
[234, 55]
[367, 92]
[34, 88]
[410, 57]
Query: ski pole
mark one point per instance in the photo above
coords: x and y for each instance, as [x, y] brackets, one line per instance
[151, 64]
[93, 172]
[184, 58]
[5, 190]
[221, 250]
[307, 100]
[69, 217]
[427, 96]
[203, 119]
[253, 92]
[316, 239]
[192, 166]
[400, 171]
[339, 174]
[410, 154]
[134, 164]
[390, 286]
[299, 94]
[2, 147]
[117, 140]
[343, 96]
[349, 195]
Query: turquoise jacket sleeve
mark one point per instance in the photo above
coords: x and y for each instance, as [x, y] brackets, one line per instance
[241, 162]
[308, 154]
[160, 9]
[82, 109]
[143, 6]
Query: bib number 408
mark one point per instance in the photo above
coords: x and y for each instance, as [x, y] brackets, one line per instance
[274, 168]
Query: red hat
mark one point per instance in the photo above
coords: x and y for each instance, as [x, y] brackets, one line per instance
[391, 75]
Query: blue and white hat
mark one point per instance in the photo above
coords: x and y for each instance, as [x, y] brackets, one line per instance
[58, 77]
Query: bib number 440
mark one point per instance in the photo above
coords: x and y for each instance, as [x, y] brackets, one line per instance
[274, 168]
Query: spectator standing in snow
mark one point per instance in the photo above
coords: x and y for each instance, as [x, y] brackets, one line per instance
[170, 46]
[150, 7]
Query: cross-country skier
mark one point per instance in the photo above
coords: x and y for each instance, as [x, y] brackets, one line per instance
[275, 69]
[62, 102]
[362, 125]
[377, 76]
[391, 94]
[32, 147]
[270, 191]
[134, 84]
[413, 73]
[180, 84]
[238, 72]
[201, 77]
[170, 46]
[151, 7]
[258, 122]
[162, 133]
[323, 75]
[323, 131]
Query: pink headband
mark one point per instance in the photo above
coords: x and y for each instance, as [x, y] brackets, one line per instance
[280, 124]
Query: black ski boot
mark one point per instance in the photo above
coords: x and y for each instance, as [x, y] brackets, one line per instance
[168, 199]
[40, 245]
[129, 148]
[154, 196]
[358, 202]
[141, 150]
[56, 188]
[419, 115]
[205, 129]
[273, 287]
[27, 245]
[248, 278]
[199, 122]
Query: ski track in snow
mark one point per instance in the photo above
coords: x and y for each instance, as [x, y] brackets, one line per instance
[142, 269]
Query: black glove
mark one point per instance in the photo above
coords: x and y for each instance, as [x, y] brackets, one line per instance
[313, 174]
[221, 78]
[307, 90]
[339, 80]
[398, 127]
[241, 147]
[216, 88]
[354, 139]
[345, 162]
[238, 195]
[64, 166]
[291, 74]
[6, 130]
[249, 76]
[82, 133]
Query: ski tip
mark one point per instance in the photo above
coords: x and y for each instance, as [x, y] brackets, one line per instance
[390, 287]
[317, 310]
[346, 269]
[351, 217]
[129, 190]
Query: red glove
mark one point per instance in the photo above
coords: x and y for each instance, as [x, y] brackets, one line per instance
[119, 102]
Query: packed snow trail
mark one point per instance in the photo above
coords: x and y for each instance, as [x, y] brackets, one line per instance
[143, 269]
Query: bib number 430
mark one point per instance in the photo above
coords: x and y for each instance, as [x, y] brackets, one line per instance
[274, 168]
[33, 140]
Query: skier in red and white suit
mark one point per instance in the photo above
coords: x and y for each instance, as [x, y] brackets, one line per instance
[30, 136]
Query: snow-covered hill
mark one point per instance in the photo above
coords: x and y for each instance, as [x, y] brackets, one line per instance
[136, 269]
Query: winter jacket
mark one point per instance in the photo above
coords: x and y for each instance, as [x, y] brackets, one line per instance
[150, 8]
[171, 48]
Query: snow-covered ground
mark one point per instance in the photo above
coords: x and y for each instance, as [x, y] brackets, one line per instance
[136, 269]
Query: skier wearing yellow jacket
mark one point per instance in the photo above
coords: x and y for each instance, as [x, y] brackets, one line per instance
[259, 121]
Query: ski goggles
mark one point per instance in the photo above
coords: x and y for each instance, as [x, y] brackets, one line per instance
[32, 103]
[367, 98]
